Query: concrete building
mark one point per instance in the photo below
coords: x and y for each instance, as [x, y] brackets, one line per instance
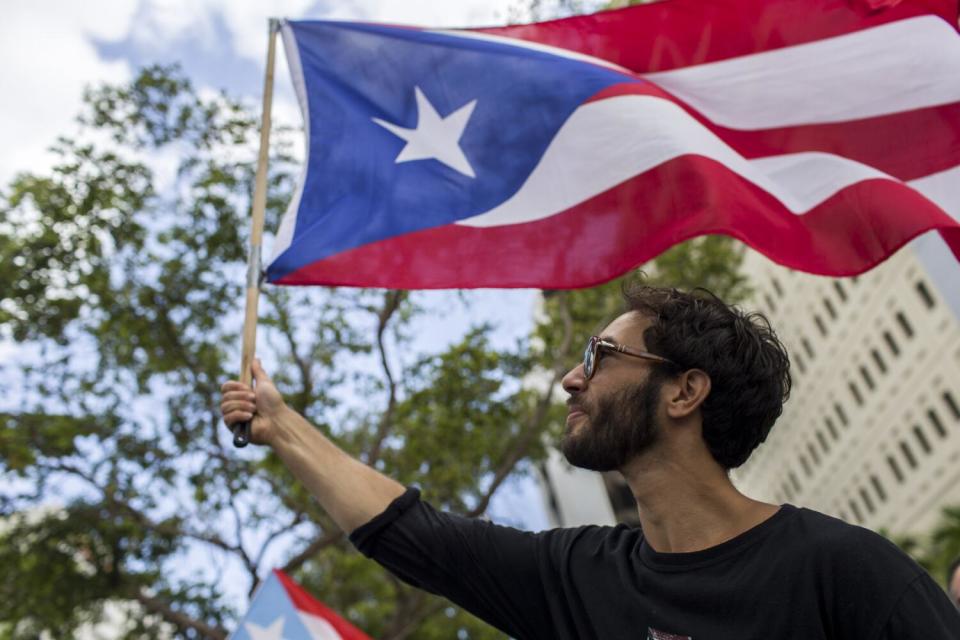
[871, 433]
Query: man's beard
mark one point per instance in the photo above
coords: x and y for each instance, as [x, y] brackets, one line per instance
[620, 427]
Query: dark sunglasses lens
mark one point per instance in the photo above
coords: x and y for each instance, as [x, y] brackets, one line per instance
[588, 358]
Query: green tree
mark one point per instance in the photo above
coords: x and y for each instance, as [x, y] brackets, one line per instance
[122, 288]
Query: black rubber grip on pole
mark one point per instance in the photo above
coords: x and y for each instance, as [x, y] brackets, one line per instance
[241, 434]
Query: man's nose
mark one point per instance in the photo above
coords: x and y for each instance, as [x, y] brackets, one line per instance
[574, 382]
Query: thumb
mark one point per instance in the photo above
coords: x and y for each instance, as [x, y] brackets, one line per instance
[258, 373]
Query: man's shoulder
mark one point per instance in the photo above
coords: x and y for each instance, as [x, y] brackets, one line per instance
[847, 546]
[822, 528]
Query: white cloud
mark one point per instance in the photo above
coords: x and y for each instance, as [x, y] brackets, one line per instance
[160, 21]
[50, 57]
[48, 60]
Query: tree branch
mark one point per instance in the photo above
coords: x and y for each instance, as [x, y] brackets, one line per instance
[118, 506]
[317, 545]
[391, 302]
[177, 618]
[406, 622]
[532, 427]
[250, 565]
[301, 400]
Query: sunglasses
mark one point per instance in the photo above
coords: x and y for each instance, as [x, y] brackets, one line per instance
[597, 346]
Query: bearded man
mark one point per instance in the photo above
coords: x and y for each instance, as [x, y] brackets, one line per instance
[673, 394]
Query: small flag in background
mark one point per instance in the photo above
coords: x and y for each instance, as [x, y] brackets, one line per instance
[823, 133]
[282, 610]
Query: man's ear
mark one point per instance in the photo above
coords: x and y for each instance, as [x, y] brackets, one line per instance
[687, 392]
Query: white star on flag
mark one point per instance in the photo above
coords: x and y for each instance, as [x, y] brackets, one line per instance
[273, 632]
[434, 137]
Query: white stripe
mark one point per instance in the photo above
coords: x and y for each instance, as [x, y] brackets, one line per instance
[895, 67]
[289, 221]
[812, 177]
[533, 46]
[607, 142]
[943, 189]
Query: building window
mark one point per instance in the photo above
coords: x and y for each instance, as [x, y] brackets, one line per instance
[807, 347]
[922, 439]
[895, 468]
[841, 414]
[794, 481]
[925, 294]
[831, 311]
[786, 491]
[823, 442]
[856, 512]
[881, 365]
[937, 423]
[904, 324]
[888, 337]
[841, 293]
[952, 405]
[799, 360]
[831, 427]
[867, 378]
[777, 287]
[806, 466]
[822, 328]
[855, 392]
[813, 454]
[867, 500]
[769, 301]
[908, 454]
[881, 493]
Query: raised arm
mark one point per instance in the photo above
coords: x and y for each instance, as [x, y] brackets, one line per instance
[350, 491]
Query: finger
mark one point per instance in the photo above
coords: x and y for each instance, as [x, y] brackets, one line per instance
[258, 373]
[246, 394]
[237, 416]
[233, 385]
[237, 405]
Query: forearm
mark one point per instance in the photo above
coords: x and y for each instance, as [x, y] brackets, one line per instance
[350, 491]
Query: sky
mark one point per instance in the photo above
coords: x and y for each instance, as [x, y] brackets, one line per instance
[53, 49]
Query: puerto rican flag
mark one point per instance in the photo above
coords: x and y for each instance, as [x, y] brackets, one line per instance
[823, 133]
[282, 610]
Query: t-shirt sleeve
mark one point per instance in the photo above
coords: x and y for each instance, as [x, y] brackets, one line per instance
[923, 613]
[491, 571]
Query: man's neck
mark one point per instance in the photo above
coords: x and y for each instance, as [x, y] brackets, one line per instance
[688, 504]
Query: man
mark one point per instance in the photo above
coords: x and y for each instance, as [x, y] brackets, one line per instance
[674, 393]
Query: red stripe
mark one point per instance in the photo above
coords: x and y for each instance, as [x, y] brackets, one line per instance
[906, 145]
[678, 33]
[305, 602]
[615, 231]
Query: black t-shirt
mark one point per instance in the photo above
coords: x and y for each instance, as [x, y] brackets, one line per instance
[800, 574]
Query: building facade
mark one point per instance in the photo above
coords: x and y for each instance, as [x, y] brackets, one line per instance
[871, 433]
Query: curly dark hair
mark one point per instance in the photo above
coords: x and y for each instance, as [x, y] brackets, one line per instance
[748, 366]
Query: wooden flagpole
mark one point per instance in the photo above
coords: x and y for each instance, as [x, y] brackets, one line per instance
[241, 430]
